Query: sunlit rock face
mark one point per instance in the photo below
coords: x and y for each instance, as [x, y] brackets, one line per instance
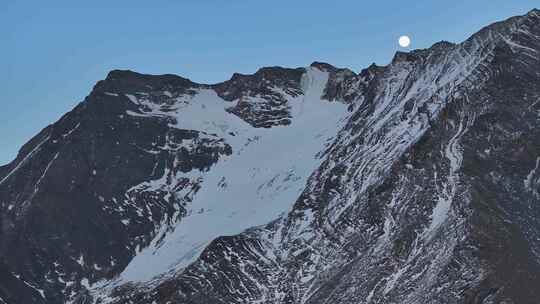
[415, 182]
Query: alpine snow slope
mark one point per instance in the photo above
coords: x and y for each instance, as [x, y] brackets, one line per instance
[415, 182]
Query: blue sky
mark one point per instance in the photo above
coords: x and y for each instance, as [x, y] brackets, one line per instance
[53, 52]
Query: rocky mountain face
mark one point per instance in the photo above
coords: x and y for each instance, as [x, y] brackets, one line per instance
[415, 182]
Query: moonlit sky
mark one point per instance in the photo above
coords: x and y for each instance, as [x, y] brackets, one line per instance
[53, 52]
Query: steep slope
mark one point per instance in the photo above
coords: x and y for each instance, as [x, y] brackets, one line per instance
[148, 162]
[409, 183]
[66, 199]
[428, 194]
[267, 171]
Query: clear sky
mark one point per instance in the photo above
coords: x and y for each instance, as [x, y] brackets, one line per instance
[53, 52]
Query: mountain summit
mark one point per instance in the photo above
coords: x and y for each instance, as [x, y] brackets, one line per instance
[415, 182]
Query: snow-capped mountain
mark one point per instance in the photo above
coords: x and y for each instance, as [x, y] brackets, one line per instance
[415, 182]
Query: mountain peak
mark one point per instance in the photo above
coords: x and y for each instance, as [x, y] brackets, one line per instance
[127, 81]
[534, 12]
[442, 45]
[323, 66]
[117, 74]
[400, 56]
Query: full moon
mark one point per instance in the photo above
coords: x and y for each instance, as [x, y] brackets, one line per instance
[404, 41]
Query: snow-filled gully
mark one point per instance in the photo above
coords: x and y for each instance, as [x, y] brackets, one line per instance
[259, 181]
